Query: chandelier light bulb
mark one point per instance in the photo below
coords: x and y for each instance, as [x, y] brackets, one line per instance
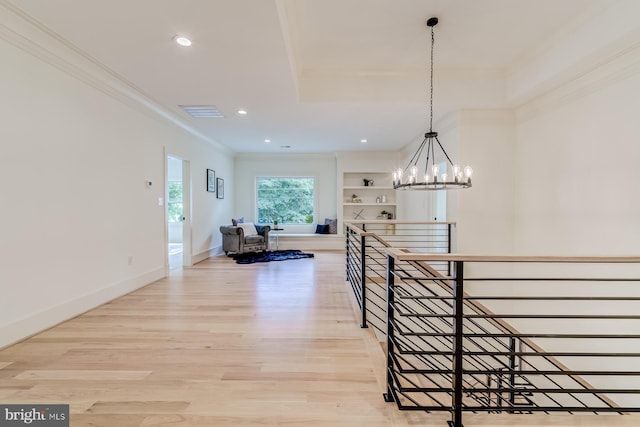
[434, 170]
[468, 172]
[444, 177]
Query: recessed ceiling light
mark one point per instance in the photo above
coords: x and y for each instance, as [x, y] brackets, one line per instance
[242, 112]
[285, 146]
[267, 141]
[182, 41]
[363, 141]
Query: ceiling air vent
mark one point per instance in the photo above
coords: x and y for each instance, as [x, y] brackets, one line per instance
[202, 111]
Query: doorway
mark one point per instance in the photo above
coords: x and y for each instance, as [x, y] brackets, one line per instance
[178, 213]
[441, 206]
[440, 211]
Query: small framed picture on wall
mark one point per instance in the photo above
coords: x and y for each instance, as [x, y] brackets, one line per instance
[211, 181]
[220, 188]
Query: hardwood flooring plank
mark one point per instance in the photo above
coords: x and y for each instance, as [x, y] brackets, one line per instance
[138, 407]
[83, 375]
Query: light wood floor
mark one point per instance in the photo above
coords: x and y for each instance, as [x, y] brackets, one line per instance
[273, 344]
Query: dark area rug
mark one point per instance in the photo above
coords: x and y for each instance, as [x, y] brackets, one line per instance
[251, 257]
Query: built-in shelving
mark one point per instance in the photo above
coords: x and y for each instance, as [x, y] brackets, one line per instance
[369, 204]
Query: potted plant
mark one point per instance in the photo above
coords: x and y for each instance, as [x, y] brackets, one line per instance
[386, 214]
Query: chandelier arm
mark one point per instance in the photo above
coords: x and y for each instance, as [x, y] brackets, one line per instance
[433, 154]
[416, 155]
[445, 153]
[426, 164]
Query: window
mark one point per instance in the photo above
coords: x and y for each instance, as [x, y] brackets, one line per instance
[174, 204]
[287, 200]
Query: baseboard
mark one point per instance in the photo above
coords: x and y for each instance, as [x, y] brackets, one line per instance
[19, 330]
[201, 256]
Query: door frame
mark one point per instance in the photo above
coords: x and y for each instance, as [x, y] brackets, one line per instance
[186, 210]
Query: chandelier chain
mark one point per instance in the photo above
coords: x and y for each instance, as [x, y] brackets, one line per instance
[431, 88]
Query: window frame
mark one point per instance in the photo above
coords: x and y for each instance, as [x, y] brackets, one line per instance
[292, 226]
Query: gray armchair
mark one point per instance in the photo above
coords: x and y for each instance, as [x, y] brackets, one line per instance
[234, 240]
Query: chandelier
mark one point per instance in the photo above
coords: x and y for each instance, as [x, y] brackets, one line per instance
[429, 177]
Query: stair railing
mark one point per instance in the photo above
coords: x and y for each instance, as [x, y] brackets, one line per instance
[366, 244]
[513, 334]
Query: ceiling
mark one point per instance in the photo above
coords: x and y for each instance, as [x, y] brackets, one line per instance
[318, 76]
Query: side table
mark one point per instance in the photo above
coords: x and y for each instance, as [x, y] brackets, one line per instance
[275, 230]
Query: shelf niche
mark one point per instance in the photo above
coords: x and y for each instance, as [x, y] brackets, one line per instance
[369, 205]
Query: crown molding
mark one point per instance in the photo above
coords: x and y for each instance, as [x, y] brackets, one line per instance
[29, 35]
[593, 39]
[491, 117]
[622, 67]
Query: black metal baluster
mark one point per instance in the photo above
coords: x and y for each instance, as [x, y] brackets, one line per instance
[449, 248]
[363, 280]
[388, 396]
[458, 305]
[512, 372]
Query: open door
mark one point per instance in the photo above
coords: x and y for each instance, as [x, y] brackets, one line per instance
[178, 212]
[186, 213]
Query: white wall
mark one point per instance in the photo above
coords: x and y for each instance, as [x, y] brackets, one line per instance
[577, 170]
[249, 166]
[484, 213]
[75, 157]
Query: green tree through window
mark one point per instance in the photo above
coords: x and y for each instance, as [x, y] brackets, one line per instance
[174, 205]
[287, 200]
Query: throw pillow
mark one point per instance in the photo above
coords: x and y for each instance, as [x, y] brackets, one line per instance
[235, 222]
[333, 225]
[248, 228]
[322, 229]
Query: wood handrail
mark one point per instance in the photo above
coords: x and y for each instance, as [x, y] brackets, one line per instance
[401, 254]
[393, 221]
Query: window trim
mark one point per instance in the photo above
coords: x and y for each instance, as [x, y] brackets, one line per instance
[291, 227]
